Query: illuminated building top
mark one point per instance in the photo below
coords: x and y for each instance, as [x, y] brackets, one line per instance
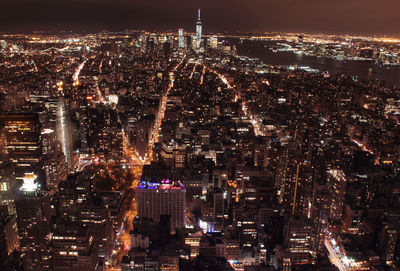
[198, 29]
[164, 184]
[29, 184]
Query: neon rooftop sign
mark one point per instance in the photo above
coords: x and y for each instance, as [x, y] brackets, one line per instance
[164, 184]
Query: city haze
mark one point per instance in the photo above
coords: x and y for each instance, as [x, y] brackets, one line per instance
[364, 17]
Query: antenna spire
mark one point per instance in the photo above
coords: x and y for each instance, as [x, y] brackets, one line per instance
[198, 14]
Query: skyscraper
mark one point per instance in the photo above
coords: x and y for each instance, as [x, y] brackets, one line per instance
[96, 216]
[34, 225]
[8, 184]
[24, 144]
[8, 237]
[54, 164]
[296, 186]
[73, 248]
[181, 38]
[198, 29]
[219, 210]
[299, 234]
[64, 133]
[388, 237]
[337, 186]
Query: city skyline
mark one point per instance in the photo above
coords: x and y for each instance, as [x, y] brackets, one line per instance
[194, 150]
[339, 17]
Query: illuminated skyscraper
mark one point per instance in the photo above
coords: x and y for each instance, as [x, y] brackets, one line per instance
[8, 184]
[162, 198]
[299, 234]
[296, 186]
[337, 185]
[9, 240]
[34, 225]
[198, 30]
[388, 237]
[219, 210]
[181, 38]
[24, 144]
[64, 133]
[96, 216]
[73, 248]
[54, 164]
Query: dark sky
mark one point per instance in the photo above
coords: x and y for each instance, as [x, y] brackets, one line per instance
[340, 16]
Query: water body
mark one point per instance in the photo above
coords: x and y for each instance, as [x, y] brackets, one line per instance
[259, 49]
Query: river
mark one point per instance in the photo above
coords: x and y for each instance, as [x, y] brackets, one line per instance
[259, 49]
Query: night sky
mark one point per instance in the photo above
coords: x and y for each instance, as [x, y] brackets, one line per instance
[329, 16]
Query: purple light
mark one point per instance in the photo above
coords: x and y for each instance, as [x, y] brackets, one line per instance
[164, 184]
[166, 181]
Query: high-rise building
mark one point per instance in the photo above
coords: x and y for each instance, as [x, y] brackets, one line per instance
[388, 239]
[320, 213]
[64, 133]
[78, 203]
[40, 95]
[219, 210]
[299, 235]
[82, 114]
[24, 144]
[72, 248]
[337, 186]
[8, 237]
[352, 218]
[54, 165]
[198, 30]
[162, 198]
[213, 42]
[73, 193]
[8, 185]
[181, 38]
[193, 42]
[296, 186]
[32, 148]
[245, 221]
[51, 105]
[34, 225]
[96, 216]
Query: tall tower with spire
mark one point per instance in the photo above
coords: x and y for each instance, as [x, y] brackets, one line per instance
[198, 29]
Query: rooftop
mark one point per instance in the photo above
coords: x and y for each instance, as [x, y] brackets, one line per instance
[163, 184]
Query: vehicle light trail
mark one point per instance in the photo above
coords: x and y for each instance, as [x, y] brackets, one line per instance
[202, 75]
[160, 115]
[136, 163]
[101, 65]
[334, 257]
[254, 122]
[363, 147]
[222, 78]
[194, 69]
[101, 99]
[133, 156]
[75, 77]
